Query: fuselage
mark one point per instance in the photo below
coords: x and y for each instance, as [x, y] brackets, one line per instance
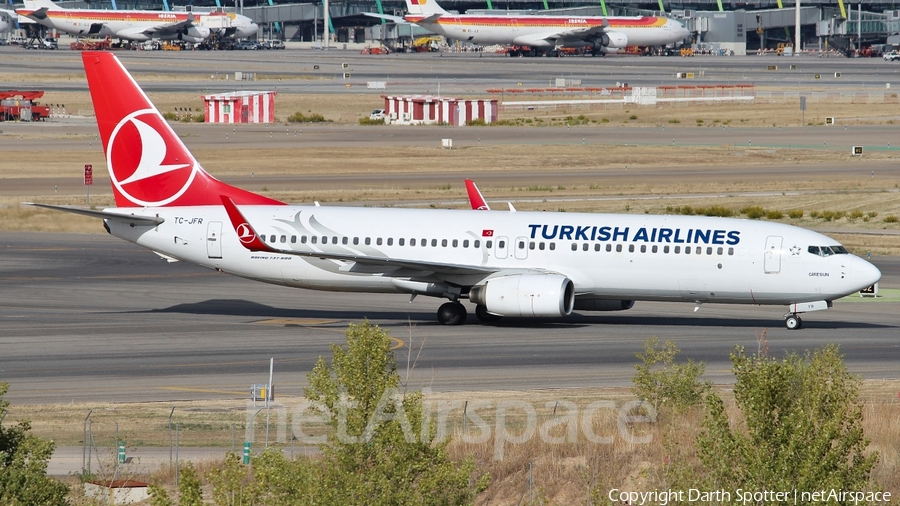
[662, 258]
[498, 29]
[132, 24]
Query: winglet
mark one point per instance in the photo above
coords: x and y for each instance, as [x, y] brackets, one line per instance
[248, 237]
[476, 200]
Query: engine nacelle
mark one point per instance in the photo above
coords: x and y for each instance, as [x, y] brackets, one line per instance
[194, 34]
[603, 305]
[547, 295]
[613, 39]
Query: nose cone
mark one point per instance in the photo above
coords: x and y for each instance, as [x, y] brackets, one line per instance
[865, 273]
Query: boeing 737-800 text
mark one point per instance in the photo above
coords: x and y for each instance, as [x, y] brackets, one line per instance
[516, 264]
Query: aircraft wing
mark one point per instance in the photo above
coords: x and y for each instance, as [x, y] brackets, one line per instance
[250, 240]
[170, 28]
[387, 17]
[130, 219]
[583, 33]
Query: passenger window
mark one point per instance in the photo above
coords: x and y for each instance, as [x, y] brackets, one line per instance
[368, 241]
[302, 239]
[618, 248]
[531, 245]
[574, 247]
[699, 250]
[271, 238]
[314, 239]
[687, 250]
[283, 239]
[552, 246]
[730, 251]
[345, 240]
[455, 243]
[501, 244]
[709, 250]
[412, 242]
[597, 247]
[293, 239]
[677, 249]
[424, 242]
[654, 249]
[608, 248]
[521, 244]
[434, 243]
[585, 247]
[465, 243]
[356, 241]
[665, 249]
[378, 241]
[390, 241]
[401, 241]
[324, 239]
[631, 248]
[541, 246]
[719, 251]
[444, 243]
[334, 240]
[643, 248]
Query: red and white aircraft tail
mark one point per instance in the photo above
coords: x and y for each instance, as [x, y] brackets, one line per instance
[424, 8]
[476, 199]
[148, 164]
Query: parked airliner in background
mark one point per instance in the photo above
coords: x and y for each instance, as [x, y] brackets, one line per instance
[543, 33]
[517, 264]
[193, 27]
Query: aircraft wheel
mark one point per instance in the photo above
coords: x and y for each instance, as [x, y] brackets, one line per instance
[793, 322]
[482, 314]
[451, 313]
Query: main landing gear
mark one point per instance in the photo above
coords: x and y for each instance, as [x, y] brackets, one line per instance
[452, 313]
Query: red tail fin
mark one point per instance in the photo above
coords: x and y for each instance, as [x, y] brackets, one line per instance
[148, 164]
[476, 200]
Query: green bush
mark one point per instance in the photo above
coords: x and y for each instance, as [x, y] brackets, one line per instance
[675, 121]
[814, 214]
[890, 219]
[871, 214]
[774, 214]
[795, 214]
[476, 122]
[369, 121]
[633, 116]
[753, 212]
[800, 425]
[856, 214]
[661, 382]
[170, 116]
[299, 117]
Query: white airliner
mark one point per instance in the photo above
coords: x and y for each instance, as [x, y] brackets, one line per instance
[600, 33]
[517, 264]
[193, 27]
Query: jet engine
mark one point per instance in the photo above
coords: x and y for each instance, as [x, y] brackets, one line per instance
[603, 305]
[612, 39]
[547, 295]
[194, 34]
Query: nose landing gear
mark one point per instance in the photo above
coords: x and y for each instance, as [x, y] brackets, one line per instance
[792, 321]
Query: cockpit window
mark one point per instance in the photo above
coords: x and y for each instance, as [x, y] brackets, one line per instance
[827, 251]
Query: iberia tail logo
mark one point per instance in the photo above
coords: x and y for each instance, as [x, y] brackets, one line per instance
[418, 2]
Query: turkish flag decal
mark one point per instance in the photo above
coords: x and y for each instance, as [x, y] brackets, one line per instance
[487, 233]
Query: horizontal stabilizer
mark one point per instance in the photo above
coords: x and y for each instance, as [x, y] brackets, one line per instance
[131, 219]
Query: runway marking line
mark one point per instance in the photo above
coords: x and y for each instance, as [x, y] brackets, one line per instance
[296, 321]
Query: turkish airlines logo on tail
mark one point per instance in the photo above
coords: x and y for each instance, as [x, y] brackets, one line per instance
[147, 163]
[245, 233]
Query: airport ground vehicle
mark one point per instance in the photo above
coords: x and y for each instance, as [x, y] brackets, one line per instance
[377, 114]
[17, 105]
[891, 56]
